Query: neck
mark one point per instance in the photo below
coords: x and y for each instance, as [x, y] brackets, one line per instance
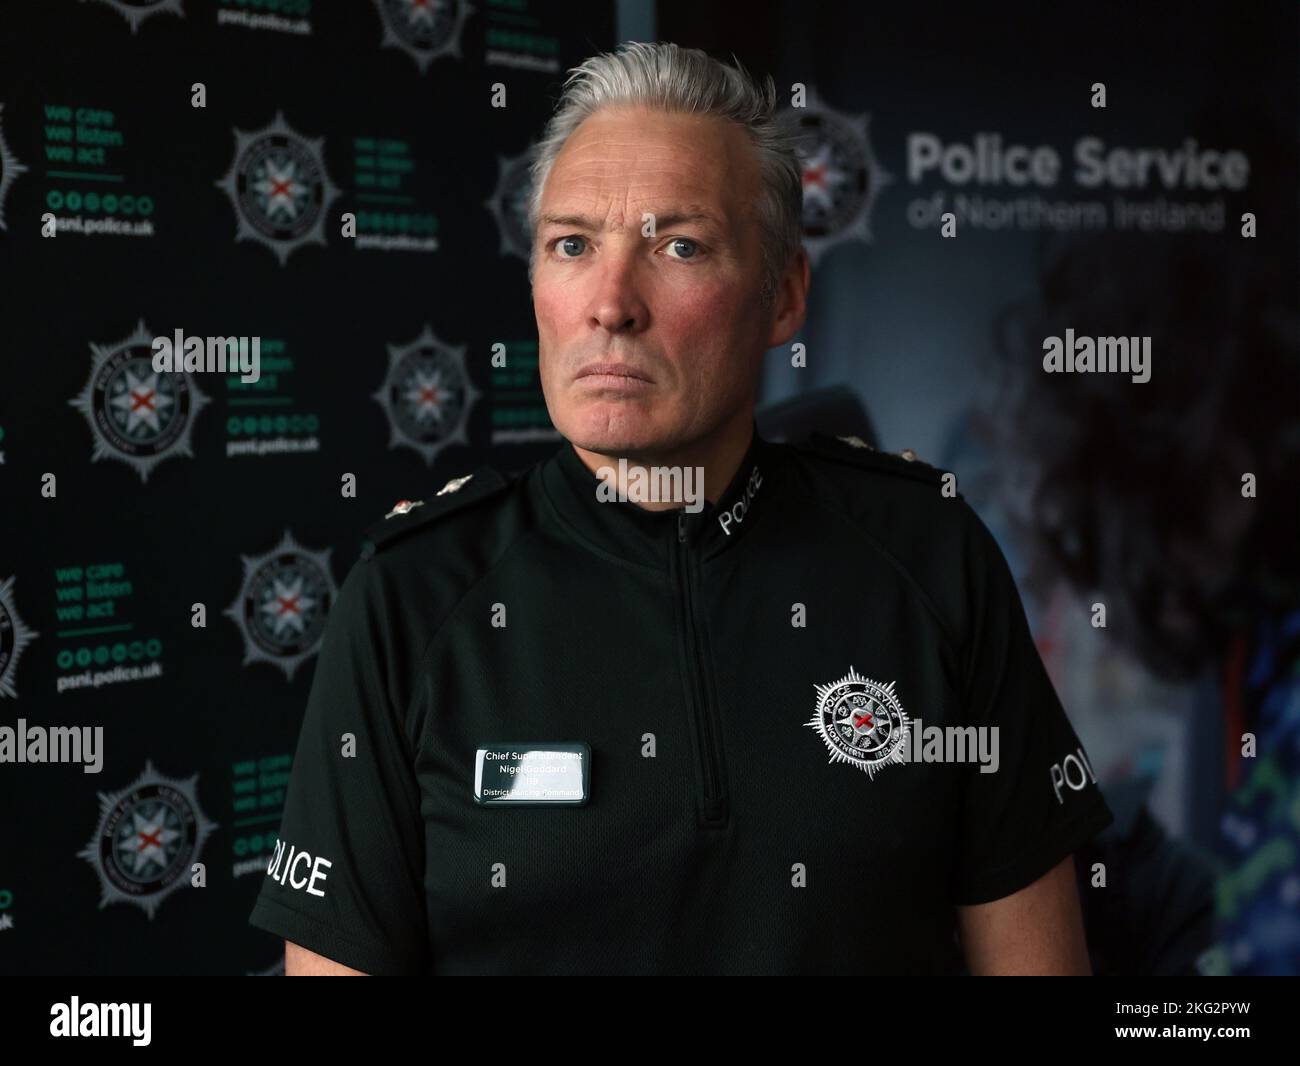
[719, 456]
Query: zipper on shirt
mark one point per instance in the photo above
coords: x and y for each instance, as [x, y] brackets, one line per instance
[713, 809]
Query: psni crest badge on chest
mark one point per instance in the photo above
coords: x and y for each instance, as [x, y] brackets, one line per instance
[862, 722]
[532, 774]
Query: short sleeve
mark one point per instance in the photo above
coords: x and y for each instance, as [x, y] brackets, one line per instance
[345, 877]
[1042, 802]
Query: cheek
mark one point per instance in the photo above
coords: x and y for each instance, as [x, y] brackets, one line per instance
[708, 328]
[548, 307]
[692, 311]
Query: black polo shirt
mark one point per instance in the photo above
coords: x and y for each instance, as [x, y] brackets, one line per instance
[746, 679]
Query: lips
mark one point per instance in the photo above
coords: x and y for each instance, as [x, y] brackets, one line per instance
[617, 370]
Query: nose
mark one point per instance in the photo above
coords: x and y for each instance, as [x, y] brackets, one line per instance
[617, 304]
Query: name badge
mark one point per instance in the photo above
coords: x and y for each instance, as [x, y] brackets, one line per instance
[532, 775]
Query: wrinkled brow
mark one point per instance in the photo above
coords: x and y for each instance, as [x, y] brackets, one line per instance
[664, 221]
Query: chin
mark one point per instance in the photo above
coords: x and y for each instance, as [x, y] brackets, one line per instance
[613, 429]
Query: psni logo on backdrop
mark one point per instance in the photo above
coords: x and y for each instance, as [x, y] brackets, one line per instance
[278, 187]
[422, 29]
[14, 636]
[136, 11]
[841, 176]
[148, 838]
[137, 415]
[10, 168]
[282, 604]
[427, 395]
[509, 203]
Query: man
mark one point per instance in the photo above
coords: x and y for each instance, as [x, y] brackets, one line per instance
[715, 711]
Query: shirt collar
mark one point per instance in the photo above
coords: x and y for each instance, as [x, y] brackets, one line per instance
[630, 532]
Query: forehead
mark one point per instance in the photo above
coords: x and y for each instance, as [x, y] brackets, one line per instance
[622, 158]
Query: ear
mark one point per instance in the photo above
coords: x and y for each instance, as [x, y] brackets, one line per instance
[791, 304]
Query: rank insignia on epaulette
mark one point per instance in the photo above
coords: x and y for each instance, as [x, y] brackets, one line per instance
[858, 452]
[454, 485]
[858, 442]
[402, 506]
[456, 495]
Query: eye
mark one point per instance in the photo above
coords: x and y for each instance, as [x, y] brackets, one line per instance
[567, 242]
[691, 247]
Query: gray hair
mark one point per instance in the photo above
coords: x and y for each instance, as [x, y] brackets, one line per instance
[670, 78]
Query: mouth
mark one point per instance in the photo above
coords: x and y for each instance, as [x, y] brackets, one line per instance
[619, 373]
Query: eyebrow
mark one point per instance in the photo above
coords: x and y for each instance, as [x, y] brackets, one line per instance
[664, 221]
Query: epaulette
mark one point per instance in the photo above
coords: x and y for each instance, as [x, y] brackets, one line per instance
[856, 452]
[410, 515]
